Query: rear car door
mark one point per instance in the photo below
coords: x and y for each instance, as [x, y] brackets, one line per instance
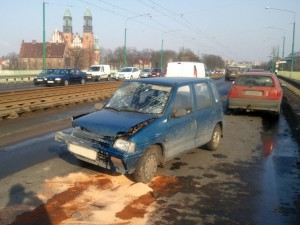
[182, 129]
[205, 113]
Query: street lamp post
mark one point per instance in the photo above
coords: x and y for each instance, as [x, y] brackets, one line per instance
[294, 23]
[283, 44]
[125, 50]
[162, 47]
[44, 37]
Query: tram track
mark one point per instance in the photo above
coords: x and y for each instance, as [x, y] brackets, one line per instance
[14, 103]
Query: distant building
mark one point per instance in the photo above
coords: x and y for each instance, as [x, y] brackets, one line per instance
[65, 49]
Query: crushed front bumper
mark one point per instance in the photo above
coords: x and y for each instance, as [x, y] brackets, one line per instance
[94, 153]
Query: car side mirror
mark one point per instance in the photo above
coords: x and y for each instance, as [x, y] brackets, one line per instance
[283, 84]
[99, 106]
[180, 112]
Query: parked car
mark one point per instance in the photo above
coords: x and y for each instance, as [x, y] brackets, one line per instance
[232, 72]
[145, 73]
[98, 72]
[128, 73]
[66, 77]
[253, 91]
[146, 123]
[40, 78]
[187, 69]
[157, 72]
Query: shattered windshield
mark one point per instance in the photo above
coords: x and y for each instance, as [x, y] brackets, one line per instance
[140, 97]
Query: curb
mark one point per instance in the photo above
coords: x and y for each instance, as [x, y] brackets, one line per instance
[291, 109]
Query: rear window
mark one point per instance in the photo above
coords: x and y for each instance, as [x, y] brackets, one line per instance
[263, 81]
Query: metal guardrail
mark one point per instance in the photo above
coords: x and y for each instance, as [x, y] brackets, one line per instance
[14, 103]
[16, 79]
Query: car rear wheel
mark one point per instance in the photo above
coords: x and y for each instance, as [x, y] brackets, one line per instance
[147, 165]
[66, 83]
[214, 142]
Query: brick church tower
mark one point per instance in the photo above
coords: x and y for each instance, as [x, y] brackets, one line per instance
[88, 37]
[67, 28]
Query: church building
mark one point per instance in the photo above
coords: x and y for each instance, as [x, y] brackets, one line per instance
[66, 49]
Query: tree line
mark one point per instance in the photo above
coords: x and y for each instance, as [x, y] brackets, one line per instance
[142, 58]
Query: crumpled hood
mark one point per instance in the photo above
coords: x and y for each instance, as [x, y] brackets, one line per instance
[109, 123]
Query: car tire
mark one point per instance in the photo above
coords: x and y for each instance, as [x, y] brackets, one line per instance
[66, 82]
[214, 142]
[108, 78]
[82, 81]
[147, 165]
[131, 77]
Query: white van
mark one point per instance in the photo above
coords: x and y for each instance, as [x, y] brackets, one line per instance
[186, 69]
[98, 72]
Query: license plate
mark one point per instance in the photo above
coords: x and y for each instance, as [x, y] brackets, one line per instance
[85, 152]
[89, 77]
[39, 79]
[253, 93]
[50, 82]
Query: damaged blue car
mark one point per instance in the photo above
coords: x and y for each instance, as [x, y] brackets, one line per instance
[146, 123]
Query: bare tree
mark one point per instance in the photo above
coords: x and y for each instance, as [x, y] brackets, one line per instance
[213, 61]
[77, 57]
[13, 61]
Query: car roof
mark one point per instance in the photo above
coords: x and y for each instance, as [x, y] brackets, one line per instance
[171, 81]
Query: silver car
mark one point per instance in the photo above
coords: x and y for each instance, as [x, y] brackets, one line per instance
[145, 73]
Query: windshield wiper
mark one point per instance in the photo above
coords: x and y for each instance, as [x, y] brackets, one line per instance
[131, 110]
[109, 107]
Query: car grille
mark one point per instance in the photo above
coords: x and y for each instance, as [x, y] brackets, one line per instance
[93, 138]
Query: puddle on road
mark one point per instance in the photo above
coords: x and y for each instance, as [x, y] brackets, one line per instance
[280, 178]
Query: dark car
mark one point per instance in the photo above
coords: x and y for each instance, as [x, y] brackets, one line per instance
[40, 78]
[157, 72]
[232, 72]
[253, 91]
[146, 123]
[66, 77]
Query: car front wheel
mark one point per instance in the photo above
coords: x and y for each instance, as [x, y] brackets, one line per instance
[82, 81]
[66, 82]
[214, 142]
[147, 165]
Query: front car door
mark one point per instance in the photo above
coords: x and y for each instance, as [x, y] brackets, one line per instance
[182, 129]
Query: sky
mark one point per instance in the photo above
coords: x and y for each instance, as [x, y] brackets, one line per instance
[240, 30]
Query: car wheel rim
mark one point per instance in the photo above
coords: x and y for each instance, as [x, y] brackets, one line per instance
[150, 167]
[216, 138]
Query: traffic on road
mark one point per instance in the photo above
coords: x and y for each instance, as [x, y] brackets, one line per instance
[252, 178]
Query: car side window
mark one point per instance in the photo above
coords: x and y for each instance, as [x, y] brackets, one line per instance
[183, 101]
[203, 96]
[215, 92]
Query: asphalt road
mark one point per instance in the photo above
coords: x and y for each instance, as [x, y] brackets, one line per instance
[253, 178]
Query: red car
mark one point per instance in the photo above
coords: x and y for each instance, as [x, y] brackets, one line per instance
[253, 91]
[157, 73]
